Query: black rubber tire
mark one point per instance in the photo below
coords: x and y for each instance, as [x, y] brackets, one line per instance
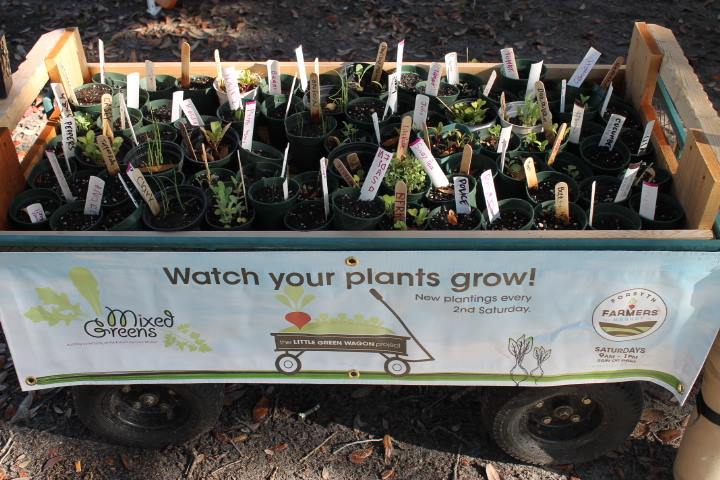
[506, 417]
[204, 403]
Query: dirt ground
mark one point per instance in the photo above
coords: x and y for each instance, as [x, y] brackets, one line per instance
[430, 425]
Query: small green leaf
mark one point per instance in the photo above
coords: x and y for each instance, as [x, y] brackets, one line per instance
[306, 300]
[294, 293]
[283, 299]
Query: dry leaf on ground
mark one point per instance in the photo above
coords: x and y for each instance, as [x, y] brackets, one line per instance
[261, 410]
[359, 456]
[491, 473]
[388, 445]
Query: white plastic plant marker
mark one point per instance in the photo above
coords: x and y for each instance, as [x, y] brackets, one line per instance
[289, 102]
[69, 138]
[556, 145]
[273, 75]
[648, 200]
[93, 197]
[242, 181]
[316, 65]
[584, 67]
[627, 182]
[193, 116]
[123, 120]
[61, 99]
[504, 139]
[503, 107]
[392, 98]
[404, 139]
[67, 84]
[533, 78]
[491, 201]
[177, 99]
[562, 202]
[376, 127]
[610, 75]
[374, 178]
[285, 160]
[301, 68]
[420, 113]
[422, 153]
[490, 83]
[508, 63]
[105, 146]
[379, 62]
[127, 190]
[400, 208]
[647, 133]
[62, 181]
[591, 214]
[323, 179]
[130, 127]
[315, 107]
[606, 101]
[286, 187]
[433, 80]
[133, 90]
[231, 88]
[578, 114]
[612, 131]
[248, 125]
[466, 160]
[399, 58]
[141, 185]
[150, 81]
[451, 68]
[563, 92]
[530, 174]
[184, 64]
[344, 173]
[36, 212]
[101, 57]
[153, 8]
[461, 185]
[218, 69]
[545, 115]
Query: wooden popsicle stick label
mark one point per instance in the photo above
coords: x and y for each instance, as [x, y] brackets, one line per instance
[185, 65]
[108, 155]
[376, 127]
[530, 174]
[93, 197]
[353, 162]
[36, 212]
[399, 57]
[248, 125]
[107, 129]
[461, 185]
[193, 116]
[101, 57]
[612, 131]
[584, 67]
[578, 114]
[648, 200]
[344, 173]
[422, 153]
[301, 68]
[490, 83]
[466, 160]
[610, 75]
[69, 138]
[67, 85]
[273, 75]
[315, 98]
[591, 214]
[323, 178]
[533, 78]
[563, 91]
[61, 99]
[503, 106]
[606, 101]
[545, 114]
[556, 145]
[218, 68]
[508, 63]
[400, 210]
[141, 185]
[177, 99]
[627, 182]
[231, 88]
[133, 90]
[562, 202]
[374, 178]
[433, 80]
[286, 153]
[379, 62]
[647, 133]
[404, 139]
[62, 181]
[451, 68]
[420, 113]
[491, 201]
[150, 81]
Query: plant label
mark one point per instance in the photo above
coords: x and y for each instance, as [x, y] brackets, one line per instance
[563, 91]
[323, 178]
[490, 83]
[93, 197]
[373, 180]
[400, 210]
[141, 185]
[153, 8]
[231, 88]
[533, 78]
[376, 126]
[62, 181]
[127, 190]
[591, 214]
[379, 62]
[193, 116]
[218, 69]
[422, 153]
[248, 125]
[62, 100]
[301, 68]
[491, 201]
[558, 142]
[461, 185]
[606, 101]
[105, 146]
[242, 182]
[273, 75]
[177, 99]
[612, 131]
[422, 103]
[466, 160]
[530, 175]
[508, 63]
[578, 114]
[289, 102]
[315, 98]
[451, 68]
[433, 80]
[584, 68]
[316, 65]
[610, 75]
[286, 188]
[185, 65]
[353, 162]
[648, 200]
[67, 84]
[124, 112]
[36, 212]
[646, 137]
[344, 173]
[101, 56]
[399, 57]
[150, 81]
[545, 114]
[404, 140]
[69, 138]
[123, 120]
[562, 202]
[392, 98]
[133, 90]
[285, 160]
[504, 139]
[503, 107]
[627, 182]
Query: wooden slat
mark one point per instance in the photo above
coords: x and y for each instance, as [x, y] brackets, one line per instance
[13, 181]
[643, 64]
[697, 182]
[69, 53]
[37, 151]
[665, 155]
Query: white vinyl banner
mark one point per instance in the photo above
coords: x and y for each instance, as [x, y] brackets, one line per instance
[445, 317]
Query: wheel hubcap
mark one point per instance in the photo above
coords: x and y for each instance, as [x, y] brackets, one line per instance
[147, 406]
[564, 417]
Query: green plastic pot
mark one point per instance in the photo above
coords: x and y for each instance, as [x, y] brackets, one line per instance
[509, 186]
[309, 204]
[571, 165]
[313, 178]
[226, 115]
[166, 129]
[345, 221]
[43, 196]
[365, 152]
[600, 169]
[474, 213]
[276, 126]
[148, 108]
[586, 185]
[518, 87]
[406, 97]
[131, 223]
[262, 152]
[137, 121]
[510, 205]
[375, 103]
[478, 164]
[204, 99]
[143, 98]
[330, 94]
[613, 212]
[587, 129]
[117, 81]
[285, 85]
[270, 215]
[489, 120]
[368, 89]
[558, 177]
[165, 85]
[470, 86]
[171, 152]
[211, 220]
[445, 99]
[493, 98]
[207, 120]
[666, 201]
[576, 213]
[78, 206]
[199, 179]
[93, 108]
[513, 145]
[43, 166]
[186, 193]
[451, 203]
[305, 150]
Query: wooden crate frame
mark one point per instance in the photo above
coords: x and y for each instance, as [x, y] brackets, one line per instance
[654, 53]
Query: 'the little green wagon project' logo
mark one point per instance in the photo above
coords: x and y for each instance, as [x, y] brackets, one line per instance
[629, 315]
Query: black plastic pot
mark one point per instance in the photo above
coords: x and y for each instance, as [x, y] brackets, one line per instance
[225, 114]
[306, 149]
[270, 215]
[131, 222]
[518, 87]
[451, 203]
[276, 126]
[571, 165]
[77, 207]
[474, 213]
[602, 169]
[165, 85]
[137, 121]
[166, 131]
[557, 177]
[612, 216]
[233, 141]
[667, 205]
[576, 214]
[171, 153]
[470, 86]
[489, 120]
[509, 186]
[213, 222]
[147, 110]
[365, 152]
[479, 164]
[367, 88]
[204, 99]
[49, 199]
[309, 204]
[510, 205]
[586, 185]
[175, 195]
[379, 107]
[200, 180]
[344, 221]
[313, 178]
[447, 100]
[261, 152]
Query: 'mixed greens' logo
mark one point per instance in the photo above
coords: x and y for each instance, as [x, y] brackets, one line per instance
[629, 315]
[111, 322]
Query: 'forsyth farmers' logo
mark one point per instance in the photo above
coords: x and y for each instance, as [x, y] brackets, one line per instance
[629, 315]
[125, 323]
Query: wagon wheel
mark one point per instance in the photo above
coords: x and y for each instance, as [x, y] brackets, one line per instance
[397, 367]
[288, 364]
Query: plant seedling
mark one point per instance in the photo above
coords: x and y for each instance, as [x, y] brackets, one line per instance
[420, 215]
[529, 112]
[214, 137]
[230, 207]
[89, 147]
[472, 113]
[409, 170]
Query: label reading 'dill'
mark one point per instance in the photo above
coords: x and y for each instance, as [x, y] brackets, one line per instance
[612, 131]
[422, 153]
[372, 182]
[461, 185]
[93, 197]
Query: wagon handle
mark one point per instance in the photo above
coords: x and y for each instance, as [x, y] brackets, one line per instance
[380, 298]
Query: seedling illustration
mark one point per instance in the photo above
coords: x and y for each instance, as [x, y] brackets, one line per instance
[294, 298]
[541, 355]
[519, 348]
